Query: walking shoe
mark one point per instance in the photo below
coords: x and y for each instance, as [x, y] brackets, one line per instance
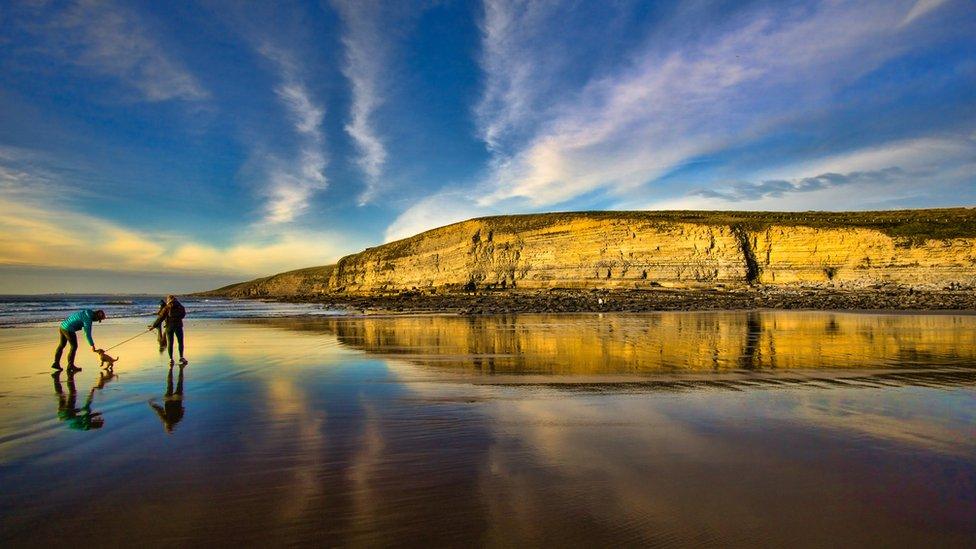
[56, 366]
[171, 362]
[72, 368]
[183, 361]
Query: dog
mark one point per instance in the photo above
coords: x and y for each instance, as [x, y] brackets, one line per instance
[107, 361]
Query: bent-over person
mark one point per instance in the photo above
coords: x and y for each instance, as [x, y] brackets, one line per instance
[82, 320]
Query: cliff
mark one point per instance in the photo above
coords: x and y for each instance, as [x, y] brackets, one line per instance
[633, 250]
[309, 281]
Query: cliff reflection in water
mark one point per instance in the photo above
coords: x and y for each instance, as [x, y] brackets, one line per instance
[659, 342]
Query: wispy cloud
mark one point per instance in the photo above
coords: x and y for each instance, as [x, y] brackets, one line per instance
[26, 173]
[923, 172]
[679, 101]
[921, 8]
[366, 53]
[515, 83]
[291, 183]
[38, 231]
[439, 209]
[110, 39]
[924, 154]
[776, 188]
[284, 251]
[307, 115]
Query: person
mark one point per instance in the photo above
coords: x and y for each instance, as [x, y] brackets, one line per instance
[160, 338]
[172, 314]
[81, 320]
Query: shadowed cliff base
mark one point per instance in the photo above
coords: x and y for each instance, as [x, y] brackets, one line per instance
[907, 259]
[570, 301]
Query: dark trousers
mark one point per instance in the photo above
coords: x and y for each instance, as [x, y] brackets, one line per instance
[174, 332]
[66, 338]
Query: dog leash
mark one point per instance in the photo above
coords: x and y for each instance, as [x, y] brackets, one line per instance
[126, 341]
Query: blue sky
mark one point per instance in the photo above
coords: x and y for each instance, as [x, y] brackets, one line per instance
[185, 145]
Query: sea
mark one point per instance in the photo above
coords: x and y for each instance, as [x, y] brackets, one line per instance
[25, 310]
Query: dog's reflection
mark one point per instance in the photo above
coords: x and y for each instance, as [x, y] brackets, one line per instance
[170, 412]
[80, 419]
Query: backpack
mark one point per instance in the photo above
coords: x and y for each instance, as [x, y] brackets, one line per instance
[176, 311]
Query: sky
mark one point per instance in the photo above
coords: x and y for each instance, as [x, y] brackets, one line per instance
[178, 146]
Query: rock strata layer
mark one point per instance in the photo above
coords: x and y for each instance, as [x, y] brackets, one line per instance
[919, 249]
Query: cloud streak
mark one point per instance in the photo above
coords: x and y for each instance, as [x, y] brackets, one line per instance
[920, 172]
[436, 210]
[678, 101]
[110, 39]
[920, 9]
[776, 188]
[366, 49]
[37, 232]
[292, 183]
[307, 115]
[515, 83]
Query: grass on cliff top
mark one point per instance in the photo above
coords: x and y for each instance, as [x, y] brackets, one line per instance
[932, 224]
[910, 227]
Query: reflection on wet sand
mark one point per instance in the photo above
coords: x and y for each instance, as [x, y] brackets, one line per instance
[356, 432]
[80, 419]
[568, 462]
[663, 342]
[944, 378]
[171, 411]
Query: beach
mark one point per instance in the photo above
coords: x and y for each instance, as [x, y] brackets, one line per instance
[685, 428]
[488, 273]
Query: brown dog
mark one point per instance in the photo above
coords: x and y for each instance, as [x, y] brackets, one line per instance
[107, 361]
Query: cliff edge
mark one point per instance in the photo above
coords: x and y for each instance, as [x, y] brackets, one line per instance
[925, 249]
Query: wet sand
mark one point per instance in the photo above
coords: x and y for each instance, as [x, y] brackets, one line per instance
[769, 428]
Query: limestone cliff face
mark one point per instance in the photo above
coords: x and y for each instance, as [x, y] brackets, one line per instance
[851, 257]
[577, 251]
[923, 248]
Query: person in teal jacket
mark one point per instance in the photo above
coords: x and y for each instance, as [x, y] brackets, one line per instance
[82, 320]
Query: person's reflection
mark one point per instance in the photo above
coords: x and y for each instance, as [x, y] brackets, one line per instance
[80, 419]
[171, 410]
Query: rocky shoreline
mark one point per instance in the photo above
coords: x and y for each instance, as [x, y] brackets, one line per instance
[662, 299]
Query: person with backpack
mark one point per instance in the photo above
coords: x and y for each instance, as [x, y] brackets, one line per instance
[172, 314]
